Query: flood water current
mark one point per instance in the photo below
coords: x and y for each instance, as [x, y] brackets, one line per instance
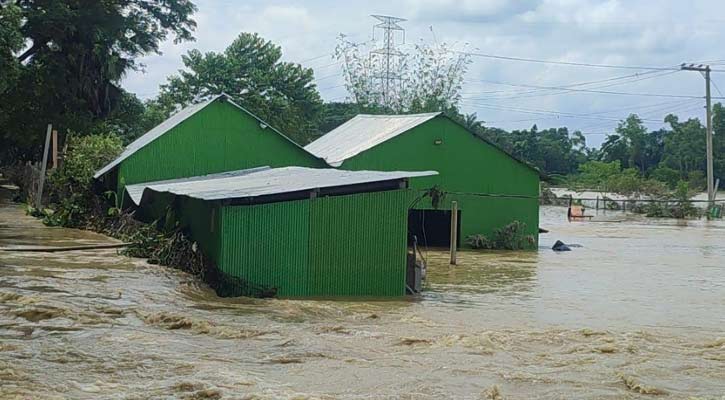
[638, 311]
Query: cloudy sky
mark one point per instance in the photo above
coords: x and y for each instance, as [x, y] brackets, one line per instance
[506, 93]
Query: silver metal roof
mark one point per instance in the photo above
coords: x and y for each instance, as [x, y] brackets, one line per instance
[264, 181]
[170, 123]
[361, 133]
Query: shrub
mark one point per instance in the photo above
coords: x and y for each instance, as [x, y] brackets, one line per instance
[509, 237]
[70, 186]
[666, 175]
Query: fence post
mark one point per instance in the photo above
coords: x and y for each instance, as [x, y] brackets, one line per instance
[55, 148]
[454, 231]
[39, 199]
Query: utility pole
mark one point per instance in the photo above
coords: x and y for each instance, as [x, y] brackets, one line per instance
[387, 55]
[705, 70]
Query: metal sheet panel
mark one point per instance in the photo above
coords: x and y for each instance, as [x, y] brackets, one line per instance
[358, 244]
[267, 245]
[350, 245]
[268, 181]
[361, 133]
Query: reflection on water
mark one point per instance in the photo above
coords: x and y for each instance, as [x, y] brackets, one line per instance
[636, 312]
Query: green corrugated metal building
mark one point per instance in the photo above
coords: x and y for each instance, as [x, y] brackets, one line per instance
[492, 188]
[210, 137]
[298, 231]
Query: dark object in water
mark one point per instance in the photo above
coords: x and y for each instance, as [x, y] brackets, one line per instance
[560, 246]
[542, 230]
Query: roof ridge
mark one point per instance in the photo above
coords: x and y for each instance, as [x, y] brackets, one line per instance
[398, 115]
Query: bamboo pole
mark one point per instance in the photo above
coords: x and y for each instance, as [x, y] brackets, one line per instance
[454, 231]
[71, 248]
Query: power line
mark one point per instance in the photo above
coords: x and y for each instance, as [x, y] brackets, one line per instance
[561, 88]
[546, 112]
[568, 63]
[658, 106]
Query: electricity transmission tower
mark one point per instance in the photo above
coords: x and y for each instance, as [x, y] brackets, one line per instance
[386, 59]
[705, 70]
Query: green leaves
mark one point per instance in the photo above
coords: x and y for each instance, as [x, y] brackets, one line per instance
[250, 70]
[76, 53]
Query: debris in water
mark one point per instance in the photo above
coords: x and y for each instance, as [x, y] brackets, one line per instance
[560, 246]
[636, 386]
[492, 393]
[285, 360]
[177, 322]
[334, 329]
[412, 341]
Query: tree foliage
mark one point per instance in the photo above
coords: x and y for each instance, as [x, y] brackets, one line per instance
[75, 54]
[250, 70]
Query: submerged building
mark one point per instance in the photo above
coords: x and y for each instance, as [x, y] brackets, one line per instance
[491, 187]
[294, 231]
[264, 210]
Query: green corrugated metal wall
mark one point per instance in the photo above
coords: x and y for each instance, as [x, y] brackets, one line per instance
[467, 166]
[350, 245]
[218, 138]
[267, 245]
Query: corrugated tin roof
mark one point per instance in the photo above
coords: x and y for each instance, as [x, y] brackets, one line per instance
[264, 181]
[173, 121]
[361, 133]
[135, 192]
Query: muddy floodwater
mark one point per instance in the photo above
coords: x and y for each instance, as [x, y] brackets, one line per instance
[637, 312]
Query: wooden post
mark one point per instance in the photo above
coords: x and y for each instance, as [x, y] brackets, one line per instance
[39, 199]
[454, 231]
[55, 148]
[596, 207]
[624, 205]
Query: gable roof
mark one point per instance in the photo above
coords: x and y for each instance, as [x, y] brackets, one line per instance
[365, 131]
[171, 123]
[264, 181]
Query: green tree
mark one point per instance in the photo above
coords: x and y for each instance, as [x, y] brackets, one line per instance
[718, 123]
[685, 145]
[76, 53]
[11, 41]
[634, 134]
[250, 70]
[631, 145]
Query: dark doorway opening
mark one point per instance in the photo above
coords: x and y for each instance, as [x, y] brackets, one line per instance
[432, 228]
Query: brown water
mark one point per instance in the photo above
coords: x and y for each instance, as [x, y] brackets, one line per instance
[637, 312]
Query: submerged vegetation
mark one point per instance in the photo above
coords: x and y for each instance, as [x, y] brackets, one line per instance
[73, 203]
[510, 237]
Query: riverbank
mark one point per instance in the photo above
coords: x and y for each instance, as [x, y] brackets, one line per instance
[633, 311]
